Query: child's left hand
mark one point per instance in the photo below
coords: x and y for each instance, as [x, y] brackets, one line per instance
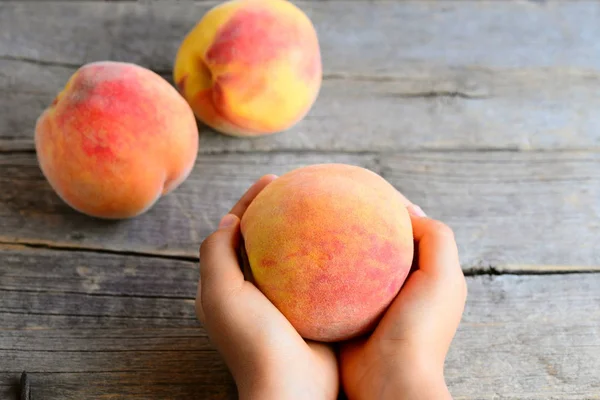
[266, 356]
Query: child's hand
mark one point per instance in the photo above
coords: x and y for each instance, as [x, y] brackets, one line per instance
[266, 356]
[404, 357]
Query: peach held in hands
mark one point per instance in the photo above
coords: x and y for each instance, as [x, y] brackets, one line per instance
[330, 245]
[115, 139]
[250, 67]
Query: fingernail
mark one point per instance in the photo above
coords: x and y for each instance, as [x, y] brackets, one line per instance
[227, 221]
[415, 210]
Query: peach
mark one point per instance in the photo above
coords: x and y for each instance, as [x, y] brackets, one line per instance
[330, 245]
[250, 67]
[115, 139]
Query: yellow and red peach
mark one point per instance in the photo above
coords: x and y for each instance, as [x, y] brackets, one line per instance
[250, 67]
[115, 139]
[330, 245]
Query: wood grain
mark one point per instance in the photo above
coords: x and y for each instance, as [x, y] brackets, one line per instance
[143, 342]
[180, 384]
[528, 337]
[481, 112]
[507, 209]
[30, 211]
[398, 75]
[522, 337]
[123, 277]
[356, 36]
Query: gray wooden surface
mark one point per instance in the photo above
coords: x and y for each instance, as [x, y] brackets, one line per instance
[509, 210]
[88, 325]
[398, 75]
[484, 113]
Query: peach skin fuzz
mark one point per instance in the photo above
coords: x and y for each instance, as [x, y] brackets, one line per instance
[115, 140]
[330, 245]
[250, 67]
[265, 354]
[404, 357]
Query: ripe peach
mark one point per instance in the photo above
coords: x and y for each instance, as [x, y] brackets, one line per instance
[250, 67]
[330, 245]
[115, 139]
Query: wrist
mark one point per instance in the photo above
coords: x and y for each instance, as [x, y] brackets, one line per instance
[259, 386]
[420, 385]
[277, 392]
[416, 375]
[281, 386]
[403, 380]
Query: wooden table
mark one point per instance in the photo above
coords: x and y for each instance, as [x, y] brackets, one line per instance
[487, 114]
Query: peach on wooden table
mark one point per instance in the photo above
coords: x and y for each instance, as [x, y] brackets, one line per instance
[250, 67]
[330, 245]
[115, 139]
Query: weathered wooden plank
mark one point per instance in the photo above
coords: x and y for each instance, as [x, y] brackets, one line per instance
[48, 283]
[528, 337]
[108, 360]
[113, 338]
[45, 289]
[522, 337]
[355, 36]
[175, 385]
[507, 208]
[30, 212]
[22, 302]
[73, 359]
[516, 110]
[399, 75]
[30, 321]
[57, 272]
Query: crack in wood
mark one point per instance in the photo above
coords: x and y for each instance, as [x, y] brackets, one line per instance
[508, 269]
[44, 63]
[128, 317]
[113, 295]
[25, 146]
[69, 247]
[531, 270]
[167, 74]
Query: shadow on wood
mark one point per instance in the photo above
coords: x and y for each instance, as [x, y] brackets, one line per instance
[28, 200]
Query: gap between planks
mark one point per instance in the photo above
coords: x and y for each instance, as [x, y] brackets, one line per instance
[506, 269]
[24, 146]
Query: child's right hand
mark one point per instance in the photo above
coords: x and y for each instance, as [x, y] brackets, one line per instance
[404, 357]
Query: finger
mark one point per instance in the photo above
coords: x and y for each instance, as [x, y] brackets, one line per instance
[240, 321]
[220, 272]
[206, 250]
[431, 301]
[436, 247]
[250, 194]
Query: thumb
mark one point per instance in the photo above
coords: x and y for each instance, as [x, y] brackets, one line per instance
[240, 321]
[220, 273]
[436, 249]
[432, 299]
